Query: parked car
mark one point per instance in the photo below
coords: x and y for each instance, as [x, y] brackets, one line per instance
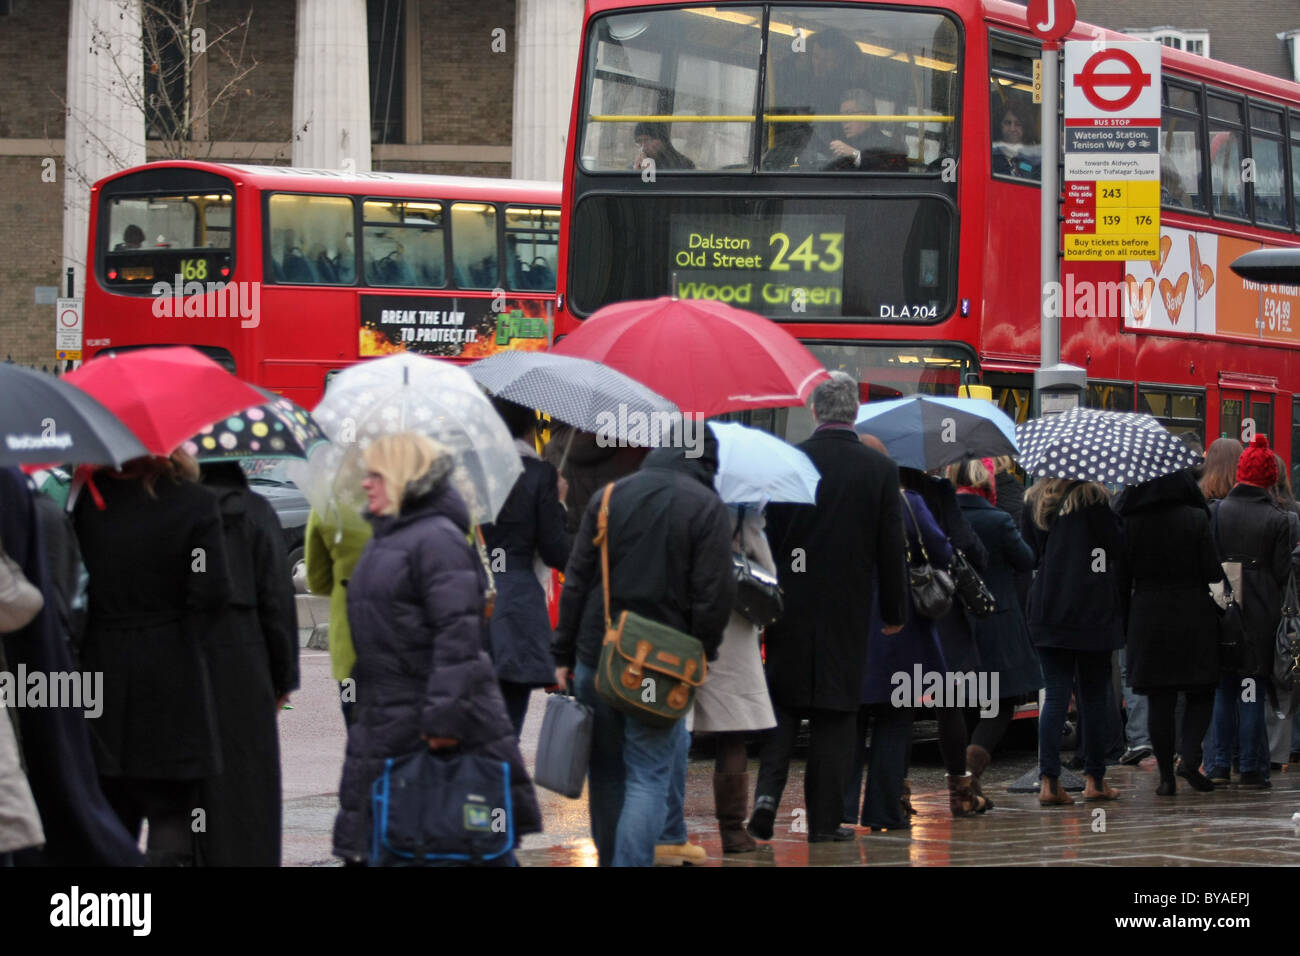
[270, 479]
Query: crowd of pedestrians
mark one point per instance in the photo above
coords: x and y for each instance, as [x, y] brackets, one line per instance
[172, 582]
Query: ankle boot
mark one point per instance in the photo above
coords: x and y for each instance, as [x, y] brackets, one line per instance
[906, 800]
[961, 800]
[730, 800]
[977, 761]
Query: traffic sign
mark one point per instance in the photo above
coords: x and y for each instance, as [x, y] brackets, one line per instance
[1051, 19]
[1129, 79]
[68, 324]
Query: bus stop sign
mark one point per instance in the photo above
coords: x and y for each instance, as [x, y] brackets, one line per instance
[1051, 19]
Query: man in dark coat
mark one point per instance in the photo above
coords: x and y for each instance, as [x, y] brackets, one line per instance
[669, 546]
[1250, 528]
[252, 653]
[830, 557]
[81, 828]
[423, 675]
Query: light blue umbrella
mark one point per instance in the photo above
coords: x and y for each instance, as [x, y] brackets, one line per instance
[755, 467]
[929, 431]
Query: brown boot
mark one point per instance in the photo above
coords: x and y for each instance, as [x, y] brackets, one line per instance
[961, 800]
[906, 800]
[731, 801]
[977, 761]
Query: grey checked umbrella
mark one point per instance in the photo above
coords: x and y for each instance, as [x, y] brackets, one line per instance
[579, 392]
[1118, 448]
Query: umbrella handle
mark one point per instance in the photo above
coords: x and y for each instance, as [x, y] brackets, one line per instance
[567, 448]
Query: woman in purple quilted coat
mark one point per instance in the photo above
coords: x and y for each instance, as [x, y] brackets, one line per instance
[416, 610]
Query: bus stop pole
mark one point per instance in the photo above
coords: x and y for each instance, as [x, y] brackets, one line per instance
[1049, 205]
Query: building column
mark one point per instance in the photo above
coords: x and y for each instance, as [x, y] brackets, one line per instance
[104, 122]
[547, 35]
[331, 86]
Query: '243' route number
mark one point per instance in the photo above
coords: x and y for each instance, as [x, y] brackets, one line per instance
[830, 259]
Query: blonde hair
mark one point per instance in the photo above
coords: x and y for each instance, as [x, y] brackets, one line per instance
[402, 459]
[1003, 464]
[1049, 498]
[971, 474]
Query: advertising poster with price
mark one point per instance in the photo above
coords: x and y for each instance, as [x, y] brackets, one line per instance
[1111, 194]
[1190, 287]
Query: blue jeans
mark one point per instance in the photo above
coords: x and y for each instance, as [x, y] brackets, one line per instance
[1249, 731]
[628, 779]
[1135, 710]
[674, 832]
[1059, 666]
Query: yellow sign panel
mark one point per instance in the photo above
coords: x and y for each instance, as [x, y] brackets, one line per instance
[1112, 219]
[1112, 248]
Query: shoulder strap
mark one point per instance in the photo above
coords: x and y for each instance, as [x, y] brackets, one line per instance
[602, 539]
[1218, 546]
[920, 540]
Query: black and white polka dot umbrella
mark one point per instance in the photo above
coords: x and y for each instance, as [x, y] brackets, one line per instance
[1117, 448]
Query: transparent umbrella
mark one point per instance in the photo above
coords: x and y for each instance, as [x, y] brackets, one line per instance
[409, 393]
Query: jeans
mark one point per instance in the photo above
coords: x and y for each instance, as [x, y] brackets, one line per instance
[1250, 732]
[1059, 666]
[674, 832]
[628, 779]
[1136, 734]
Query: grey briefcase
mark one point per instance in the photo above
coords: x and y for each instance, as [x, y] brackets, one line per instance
[564, 746]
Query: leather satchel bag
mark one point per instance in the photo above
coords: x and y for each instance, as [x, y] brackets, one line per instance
[758, 592]
[1286, 644]
[973, 593]
[647, 670]
[20, 600]
[932, 588]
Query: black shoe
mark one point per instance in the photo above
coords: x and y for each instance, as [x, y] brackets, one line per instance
[1167, 787]
[1255, 781]
[839, 835]
[1135, 755]
[1219, 775]
[1197, 779]
[760, 823]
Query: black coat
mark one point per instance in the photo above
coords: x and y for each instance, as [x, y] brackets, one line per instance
[1011, 494]
[1254, 530]
[669, 558]
[1173, 625]
[1079, 597]
[532, 521]
[960, 651]
[415, 607]
[588, 467]
[81, 828]
[158, 571]
[830, 557]
[1003, 637]
[253, 659]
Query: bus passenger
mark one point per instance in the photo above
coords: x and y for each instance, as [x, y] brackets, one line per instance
[1014, 152]
[865, 145]
[655, 145]
[132, 237]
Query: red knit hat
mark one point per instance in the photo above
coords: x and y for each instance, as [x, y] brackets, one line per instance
[1257, 464]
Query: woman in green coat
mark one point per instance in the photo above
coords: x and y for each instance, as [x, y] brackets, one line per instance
[332, 549]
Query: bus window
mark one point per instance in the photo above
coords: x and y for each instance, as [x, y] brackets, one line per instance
[474, 244]
[646, 69]
[310, 239]
[532, 248]
[1266, 148]
[1181, 178]
[402, 244]
[1182, 412]
[1017, 150]
[1109, 396]
[866, 80]
[161, 236]
[1226, 151]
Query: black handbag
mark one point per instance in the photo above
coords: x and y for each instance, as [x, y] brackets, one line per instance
[973, 593]
[932, 588]
[758, 592]
[1286, 644]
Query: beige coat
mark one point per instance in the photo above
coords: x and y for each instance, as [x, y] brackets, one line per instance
[734, 697]
[20, 824]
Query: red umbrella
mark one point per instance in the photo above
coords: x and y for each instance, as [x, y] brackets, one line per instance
[164, 395]
[705, 357]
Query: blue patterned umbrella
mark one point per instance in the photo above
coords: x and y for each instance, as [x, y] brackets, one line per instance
[1087, 444]
[930, 431]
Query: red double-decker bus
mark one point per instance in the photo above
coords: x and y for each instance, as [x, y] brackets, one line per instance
[867, 174]
[287, 275]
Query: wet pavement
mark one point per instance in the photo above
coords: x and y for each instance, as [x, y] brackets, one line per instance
[1228, 827]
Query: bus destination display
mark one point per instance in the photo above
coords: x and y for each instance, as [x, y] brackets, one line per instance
[772, 265]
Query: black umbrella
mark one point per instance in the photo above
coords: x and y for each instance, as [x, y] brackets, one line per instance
[1118, 448]
[46, 421]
